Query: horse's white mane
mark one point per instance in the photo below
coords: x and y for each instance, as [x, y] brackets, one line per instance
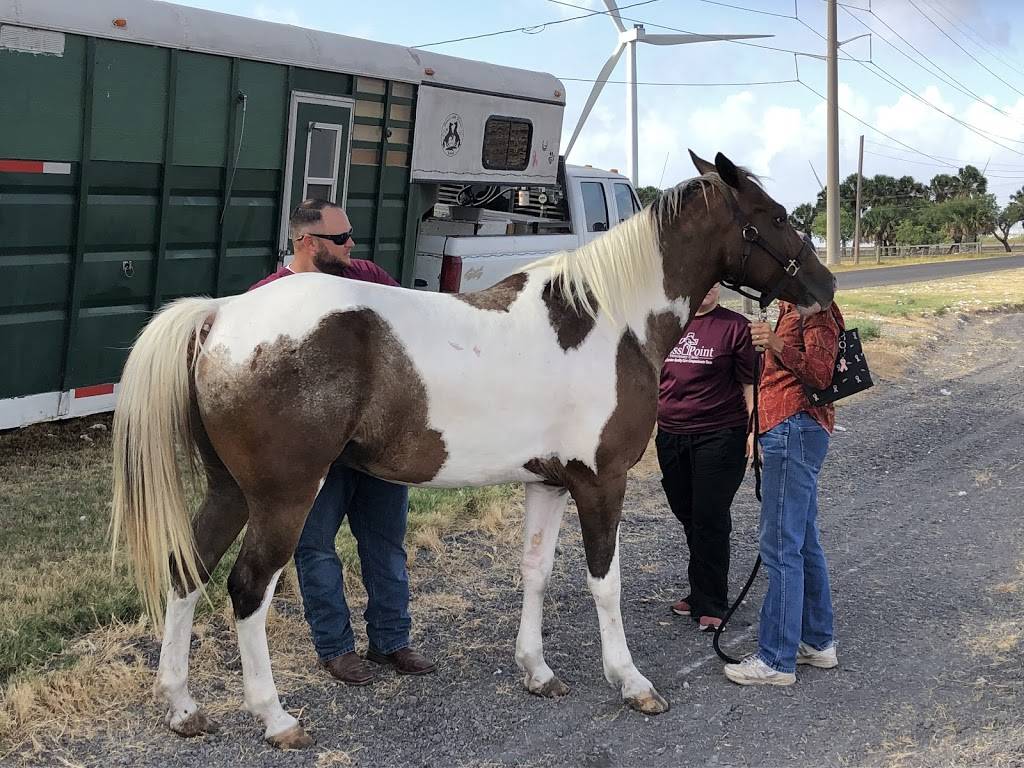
[615, 268]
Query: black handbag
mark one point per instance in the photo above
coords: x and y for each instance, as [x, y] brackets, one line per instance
[851, 372]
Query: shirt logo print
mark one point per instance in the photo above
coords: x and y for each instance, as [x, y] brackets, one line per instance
[689, 350]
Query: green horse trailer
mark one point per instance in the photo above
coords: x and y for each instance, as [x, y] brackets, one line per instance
[150, 151]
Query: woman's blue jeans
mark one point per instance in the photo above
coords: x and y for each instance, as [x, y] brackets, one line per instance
[798, 606]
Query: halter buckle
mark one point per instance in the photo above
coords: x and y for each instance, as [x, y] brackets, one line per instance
[792, 268]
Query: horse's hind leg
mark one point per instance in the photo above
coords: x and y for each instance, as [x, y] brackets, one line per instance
[544, 507]
[221, 517]
[275, 524]
[600, 509]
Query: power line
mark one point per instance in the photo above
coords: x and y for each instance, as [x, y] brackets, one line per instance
[971, 34]
[976, 37]
[748, 10]
[691, 32]
[969, 54]
[533, 29]
[882, 74]
[868, 125]
[685, 85]
[942, 74]
[941, 165]
[896, 83]
[893, 81]
[952, 160]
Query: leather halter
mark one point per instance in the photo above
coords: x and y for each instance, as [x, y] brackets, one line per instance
[790, 267]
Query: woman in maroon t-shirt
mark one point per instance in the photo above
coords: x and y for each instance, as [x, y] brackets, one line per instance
[703, 415]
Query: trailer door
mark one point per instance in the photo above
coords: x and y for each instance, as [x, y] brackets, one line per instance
[319, 142]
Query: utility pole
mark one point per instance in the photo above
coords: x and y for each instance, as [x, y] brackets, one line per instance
[856, 212]
[832, 191]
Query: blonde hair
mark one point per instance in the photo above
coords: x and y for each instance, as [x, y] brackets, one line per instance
[614, 269]
[618, 266]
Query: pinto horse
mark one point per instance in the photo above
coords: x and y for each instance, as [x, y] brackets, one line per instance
[549, 378]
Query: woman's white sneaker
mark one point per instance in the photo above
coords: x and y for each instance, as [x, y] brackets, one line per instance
[825, 658]
[753, 671]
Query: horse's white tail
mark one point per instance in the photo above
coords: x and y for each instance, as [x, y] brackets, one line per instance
[152, 422]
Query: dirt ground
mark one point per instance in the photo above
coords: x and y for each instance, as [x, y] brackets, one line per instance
[921, 516]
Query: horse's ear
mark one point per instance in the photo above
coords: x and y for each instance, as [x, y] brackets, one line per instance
[727, 171]
[701, 164]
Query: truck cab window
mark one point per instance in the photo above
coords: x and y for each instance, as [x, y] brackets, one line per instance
[624, 201]
[594, 206]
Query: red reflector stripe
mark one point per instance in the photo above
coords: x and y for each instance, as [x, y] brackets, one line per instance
[94, 390]
[34, 166]
[21, 166]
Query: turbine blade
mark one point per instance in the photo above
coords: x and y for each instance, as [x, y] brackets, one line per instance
[602, 78]
[613, 11]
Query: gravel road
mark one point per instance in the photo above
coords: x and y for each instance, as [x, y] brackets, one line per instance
[921, 518]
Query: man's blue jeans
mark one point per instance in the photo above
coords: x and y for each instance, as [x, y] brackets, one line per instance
[377, 514]
[798, 606]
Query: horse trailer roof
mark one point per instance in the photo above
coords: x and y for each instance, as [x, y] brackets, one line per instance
[159, 23]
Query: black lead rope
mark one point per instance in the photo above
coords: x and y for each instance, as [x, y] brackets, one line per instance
[757, 492]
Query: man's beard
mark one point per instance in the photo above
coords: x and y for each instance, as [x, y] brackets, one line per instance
[327, 263]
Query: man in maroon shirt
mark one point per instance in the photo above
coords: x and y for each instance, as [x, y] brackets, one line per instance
[377, 510]
[703, 411]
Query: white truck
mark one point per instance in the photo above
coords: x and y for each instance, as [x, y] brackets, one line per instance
[479, 234]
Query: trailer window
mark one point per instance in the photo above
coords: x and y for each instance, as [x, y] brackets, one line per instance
[594, 206]
[323, 158]
[507, 143]
[625, 202]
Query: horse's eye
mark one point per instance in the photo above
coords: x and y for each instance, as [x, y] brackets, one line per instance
[780, 220]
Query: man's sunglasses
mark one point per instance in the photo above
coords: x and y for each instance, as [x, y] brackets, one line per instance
[341, 239]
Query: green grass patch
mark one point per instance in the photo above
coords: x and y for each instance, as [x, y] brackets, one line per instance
[868, 330]
[55, 569]
[868, 262]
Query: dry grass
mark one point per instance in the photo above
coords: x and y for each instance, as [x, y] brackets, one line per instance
[972, 293]
[994, 744]
[997, 640]
[75, 660]
[1000, 641]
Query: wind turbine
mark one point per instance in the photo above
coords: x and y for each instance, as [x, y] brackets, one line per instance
[630, 38]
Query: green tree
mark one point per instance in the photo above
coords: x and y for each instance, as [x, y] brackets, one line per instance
[802, 218]
[820, 226]
[647, 195]
[880, 223]
[1007, 218]
[944, 187]
[964, 218]
[972, 182]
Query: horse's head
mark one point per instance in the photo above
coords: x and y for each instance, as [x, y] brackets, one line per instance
[761, 249]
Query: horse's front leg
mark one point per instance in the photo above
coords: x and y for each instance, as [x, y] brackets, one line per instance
[600, 509]
[544, 507]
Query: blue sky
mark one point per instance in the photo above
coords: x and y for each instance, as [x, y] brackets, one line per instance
[963, 57]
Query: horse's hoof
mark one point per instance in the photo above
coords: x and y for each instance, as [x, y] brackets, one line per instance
[294, 738]
[195, 724]
[650, 703]
[552, 689]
